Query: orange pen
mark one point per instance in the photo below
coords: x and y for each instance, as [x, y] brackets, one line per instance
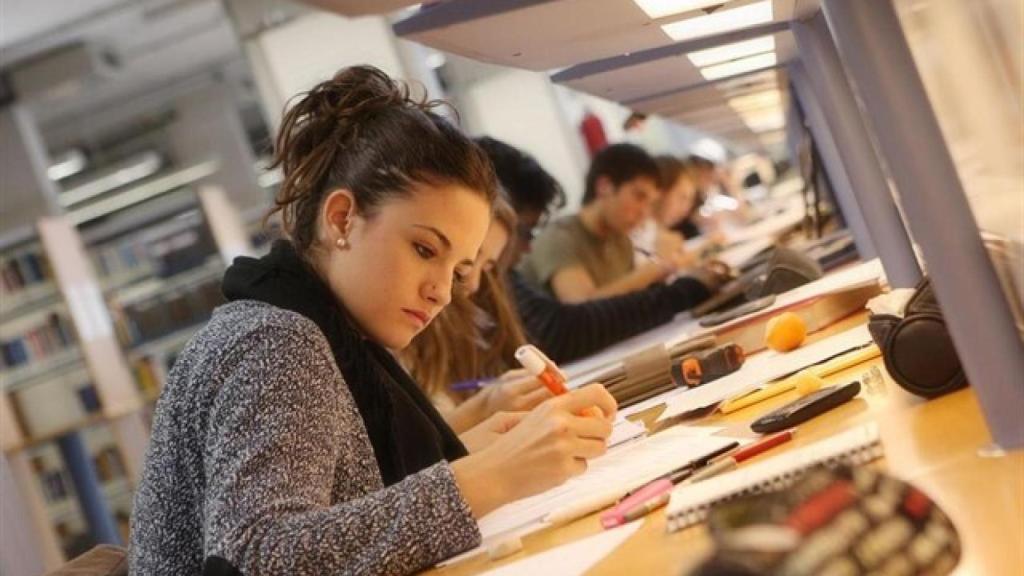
[540, 366]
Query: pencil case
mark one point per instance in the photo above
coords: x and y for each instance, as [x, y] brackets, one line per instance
[649, 372]
[846, 520]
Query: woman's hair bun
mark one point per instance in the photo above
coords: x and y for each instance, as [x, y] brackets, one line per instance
[365, 132]
[359, 90]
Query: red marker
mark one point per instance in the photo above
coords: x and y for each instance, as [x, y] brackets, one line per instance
[731, 461]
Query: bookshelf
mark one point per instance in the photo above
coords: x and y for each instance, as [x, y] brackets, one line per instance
[95, 317]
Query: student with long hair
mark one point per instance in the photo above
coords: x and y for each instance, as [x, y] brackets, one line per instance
[288, 440]
[475, 338]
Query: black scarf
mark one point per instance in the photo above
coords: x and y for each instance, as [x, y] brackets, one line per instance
[407, 432]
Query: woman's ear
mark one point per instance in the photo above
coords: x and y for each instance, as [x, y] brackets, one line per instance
[336, 216]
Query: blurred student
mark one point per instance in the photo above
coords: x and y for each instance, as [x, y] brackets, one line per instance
[288, 439]
[589, 255]
[538, 194]
[564, 331]
[674, 206]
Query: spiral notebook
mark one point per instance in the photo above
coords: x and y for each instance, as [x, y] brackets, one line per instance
[689, 504]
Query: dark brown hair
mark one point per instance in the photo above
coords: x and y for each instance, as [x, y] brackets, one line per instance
[670, 169]
[620, 163]
[475, 336]
[363, 131]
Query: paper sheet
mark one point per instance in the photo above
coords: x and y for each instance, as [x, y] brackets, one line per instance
[627, 466]
[624, 431]
[788, 214]
[760, 369]
[572, 559]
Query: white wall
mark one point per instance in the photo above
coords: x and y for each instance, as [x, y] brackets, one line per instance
[521, 108]
[293, 57]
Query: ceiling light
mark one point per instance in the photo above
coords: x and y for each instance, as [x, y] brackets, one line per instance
[719, 54]
[720, 21]
[734, 67]
[135, 169]
[144, 191]
[748, 83]
[661, 8]
[766, 122]
[67, 164]
[756, 100]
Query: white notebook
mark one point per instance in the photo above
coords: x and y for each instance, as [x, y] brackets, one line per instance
[690, 503]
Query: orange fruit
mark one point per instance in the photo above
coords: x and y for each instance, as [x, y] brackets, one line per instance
[785, 332]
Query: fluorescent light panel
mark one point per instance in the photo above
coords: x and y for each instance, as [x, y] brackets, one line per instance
[765, 122]
[67, 164]
[142, 166]
[724, 53]
[756, 100]
[720, 21]
[661, 8]
[748, 64]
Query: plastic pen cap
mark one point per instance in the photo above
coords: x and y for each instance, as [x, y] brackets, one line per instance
[531, 360]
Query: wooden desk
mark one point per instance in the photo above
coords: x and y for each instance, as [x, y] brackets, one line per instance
[933, 444]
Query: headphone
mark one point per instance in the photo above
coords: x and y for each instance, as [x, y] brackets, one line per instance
[917, 348]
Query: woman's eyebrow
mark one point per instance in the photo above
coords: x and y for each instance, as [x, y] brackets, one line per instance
[440, 235]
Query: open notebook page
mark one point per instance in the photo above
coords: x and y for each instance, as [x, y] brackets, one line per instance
[627, 466]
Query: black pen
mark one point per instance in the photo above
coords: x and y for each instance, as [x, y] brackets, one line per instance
[683, 472]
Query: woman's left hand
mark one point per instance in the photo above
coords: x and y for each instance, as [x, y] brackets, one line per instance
[514, 391]
[483, 434]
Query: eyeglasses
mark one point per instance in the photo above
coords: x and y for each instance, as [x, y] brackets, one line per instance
[528, 231]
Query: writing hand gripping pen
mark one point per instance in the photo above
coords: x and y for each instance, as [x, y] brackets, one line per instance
[540, 366]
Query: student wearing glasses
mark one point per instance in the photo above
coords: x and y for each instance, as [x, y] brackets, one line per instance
[288, 440]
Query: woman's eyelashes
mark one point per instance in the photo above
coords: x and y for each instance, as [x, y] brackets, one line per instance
[427, 253]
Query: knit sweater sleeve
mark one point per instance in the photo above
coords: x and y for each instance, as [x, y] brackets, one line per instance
[569, 331]
[283, 435]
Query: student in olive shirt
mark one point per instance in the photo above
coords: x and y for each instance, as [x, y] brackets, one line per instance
[569, 331]
[589, 255]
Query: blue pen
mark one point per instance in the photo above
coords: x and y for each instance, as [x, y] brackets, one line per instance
[470, 385]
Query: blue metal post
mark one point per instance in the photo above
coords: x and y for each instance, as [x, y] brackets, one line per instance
[881, 216]
[844, 191]
[87, 486]
[882, 69]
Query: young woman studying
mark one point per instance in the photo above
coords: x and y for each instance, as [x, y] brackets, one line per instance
[288, 440]
[475, 340]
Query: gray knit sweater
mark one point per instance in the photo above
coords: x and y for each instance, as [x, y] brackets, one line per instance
[258, 455]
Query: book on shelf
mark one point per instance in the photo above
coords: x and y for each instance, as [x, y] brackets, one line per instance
[37, 342]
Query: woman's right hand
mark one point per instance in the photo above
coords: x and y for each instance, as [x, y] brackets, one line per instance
[550, 445]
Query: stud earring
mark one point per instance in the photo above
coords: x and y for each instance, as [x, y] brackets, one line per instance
[342, 243]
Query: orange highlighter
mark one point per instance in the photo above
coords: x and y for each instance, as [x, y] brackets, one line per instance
[540, 366]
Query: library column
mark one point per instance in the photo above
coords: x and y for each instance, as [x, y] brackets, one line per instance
[27, 543]
[111, 375]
